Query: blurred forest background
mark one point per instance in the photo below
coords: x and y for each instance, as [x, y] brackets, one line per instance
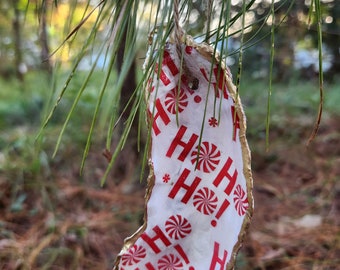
[53, 217]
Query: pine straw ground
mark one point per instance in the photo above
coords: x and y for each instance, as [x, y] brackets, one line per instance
[69, 222]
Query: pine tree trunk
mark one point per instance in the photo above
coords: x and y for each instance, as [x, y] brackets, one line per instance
[43, 38]
[16, 26]
[127, 166]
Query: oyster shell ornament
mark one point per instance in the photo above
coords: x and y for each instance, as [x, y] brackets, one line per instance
[199, 198]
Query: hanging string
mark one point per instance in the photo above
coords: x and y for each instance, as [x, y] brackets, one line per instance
[208, 15]
[178, 35]
[177, 29]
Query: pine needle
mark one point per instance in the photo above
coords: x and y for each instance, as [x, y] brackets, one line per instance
[76, 29]
[118, 17]
[271, 63]
[319, 31]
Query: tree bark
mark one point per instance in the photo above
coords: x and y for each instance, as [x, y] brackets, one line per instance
[128, 165]
[16, 26]
[43, 37]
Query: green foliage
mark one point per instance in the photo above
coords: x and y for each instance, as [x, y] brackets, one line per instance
[98, 31]
[83, 106]
[27, 170]
[22, 104]
[293, 104]
[249, 22]
[25, 161]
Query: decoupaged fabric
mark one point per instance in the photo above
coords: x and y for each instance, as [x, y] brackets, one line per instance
[199, 200]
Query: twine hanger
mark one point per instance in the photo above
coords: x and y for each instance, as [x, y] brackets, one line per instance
[178, 36]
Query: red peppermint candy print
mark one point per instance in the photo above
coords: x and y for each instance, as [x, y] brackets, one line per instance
[207, 157]
[133, 255]
[174, 102]
[177, 227]
[205, 201]
[240, 200]
[170, 262]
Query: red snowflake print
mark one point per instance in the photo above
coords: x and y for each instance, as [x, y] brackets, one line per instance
[166, 178]
[205, 201]
[207, 157]
[213, 122]
[240, 200]
[177, 227]
[174, 102]
[133, 255]
[170, 262]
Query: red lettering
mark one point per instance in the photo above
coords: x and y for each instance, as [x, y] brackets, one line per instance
[225, 173]
[168, 62]
[220, 211]
[177, 141]
[149, 266]
[222, 82]
[159, 112]
[220, 78]
[180, 184]
[159, 236]
[182, 253]
[217, 260]
[205, 75]
[162, 76]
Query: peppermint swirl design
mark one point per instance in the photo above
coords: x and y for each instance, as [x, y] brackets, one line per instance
[205, 201]
[133, 255]
[175, 102]
[207, 157]
[169, 262]
[177, 227]
[240, 200]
